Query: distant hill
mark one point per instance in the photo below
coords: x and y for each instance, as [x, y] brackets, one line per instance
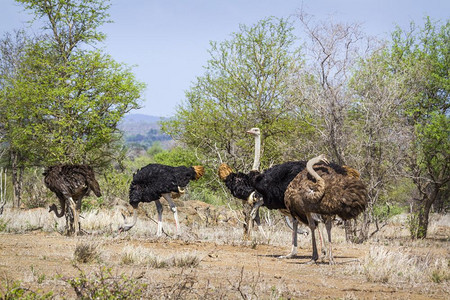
[132, 118]
[143, 130]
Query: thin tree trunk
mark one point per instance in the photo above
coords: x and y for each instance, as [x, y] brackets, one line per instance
[422, 213]
[17, 179]
[423, 217]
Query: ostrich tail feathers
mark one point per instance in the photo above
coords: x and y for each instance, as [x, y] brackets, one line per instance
[199, 171]
[224, 171]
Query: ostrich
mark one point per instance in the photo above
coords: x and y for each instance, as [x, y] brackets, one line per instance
[328, 194]
[70, 183]
[241, 188]
[154, 181]
[256, 198]
[265, 188]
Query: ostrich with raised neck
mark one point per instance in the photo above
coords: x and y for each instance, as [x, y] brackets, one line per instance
[257, 134]
[258, 202]
[327, 193]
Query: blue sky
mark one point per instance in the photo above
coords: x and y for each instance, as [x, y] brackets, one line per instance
[168, 40]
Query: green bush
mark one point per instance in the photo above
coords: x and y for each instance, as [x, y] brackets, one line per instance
[104, 285]
[386, 211]
[11, 290]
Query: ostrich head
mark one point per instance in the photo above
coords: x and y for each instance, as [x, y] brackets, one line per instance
[318, 159]
[199, 171]
[52, 208]
[255, 131]
[224, 171]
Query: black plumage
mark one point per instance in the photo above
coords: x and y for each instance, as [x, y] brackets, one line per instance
[154, 181]
[240, 186]
[273, 182]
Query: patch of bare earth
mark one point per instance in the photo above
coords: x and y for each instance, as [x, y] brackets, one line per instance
[226, 269]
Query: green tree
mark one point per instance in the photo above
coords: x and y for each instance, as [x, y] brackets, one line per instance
[245, 85]
[65, 100]
[12, 52]
[380, 138]
[425, 54]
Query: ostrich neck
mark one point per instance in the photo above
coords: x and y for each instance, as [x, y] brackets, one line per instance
[310, 169]
[257, 152]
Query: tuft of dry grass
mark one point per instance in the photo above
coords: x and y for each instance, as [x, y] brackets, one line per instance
[86, 252]
[139, 255]
[402, 266]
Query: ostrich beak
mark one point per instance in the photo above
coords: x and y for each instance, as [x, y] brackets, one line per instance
[181, 190]
[251, 199]
[324, 159]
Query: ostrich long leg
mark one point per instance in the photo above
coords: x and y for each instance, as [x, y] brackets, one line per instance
[254, 214]
[159, 209]
[258, 223]
[328, 224]
[76, 219]
[323, 247]
[312, 226]
[294, 240]
[173, 208]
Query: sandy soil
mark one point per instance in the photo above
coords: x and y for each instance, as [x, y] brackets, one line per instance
[225, 271]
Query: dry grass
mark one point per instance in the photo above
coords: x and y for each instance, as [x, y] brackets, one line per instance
[139, 255]
[391, 258]
[86, 252]
[401, 266]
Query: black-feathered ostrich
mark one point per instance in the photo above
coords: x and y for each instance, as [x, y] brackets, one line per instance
[324, 191]
[271, 186]
[239, 183]
[70, 183]
[154, 181]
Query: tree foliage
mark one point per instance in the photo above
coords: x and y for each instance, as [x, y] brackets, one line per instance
[425, 54]
[65, 100]
[245, 85]
[61, 98]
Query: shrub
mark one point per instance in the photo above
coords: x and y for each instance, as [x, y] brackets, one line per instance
[104, 285]
[11, 290]
[86, 252]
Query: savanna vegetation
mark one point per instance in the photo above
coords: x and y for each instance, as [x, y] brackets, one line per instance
[380, 106]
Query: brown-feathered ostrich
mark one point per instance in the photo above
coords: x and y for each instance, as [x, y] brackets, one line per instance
[322, 190]
[70, 183]
[154, 181]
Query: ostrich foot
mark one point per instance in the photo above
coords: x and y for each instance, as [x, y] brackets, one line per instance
[312, 262]
[290, 255]
[331, 261]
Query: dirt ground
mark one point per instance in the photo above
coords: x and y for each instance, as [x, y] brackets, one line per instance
[250, 271]
[34, 252]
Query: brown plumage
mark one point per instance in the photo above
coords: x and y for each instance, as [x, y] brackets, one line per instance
[323, 191]
[70, 183]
